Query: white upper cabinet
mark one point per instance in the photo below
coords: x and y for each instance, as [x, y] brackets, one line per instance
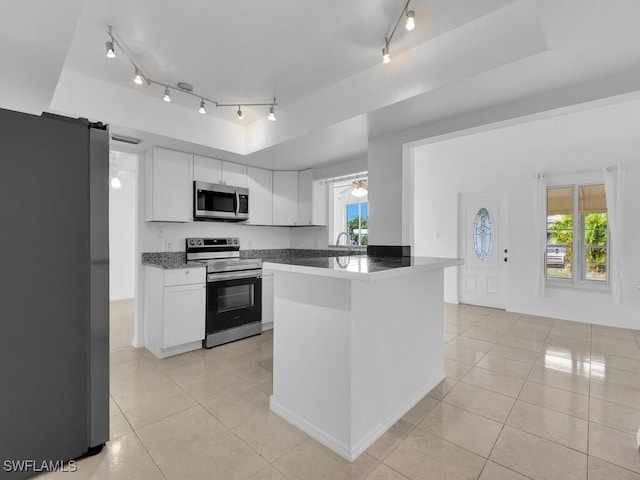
[260, 184]
[285, 198]
[234, 174]
[207, 169]
[312, 199]
[211, 170]
[168, 186]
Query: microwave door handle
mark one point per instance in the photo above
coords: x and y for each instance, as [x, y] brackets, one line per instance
[237, 203]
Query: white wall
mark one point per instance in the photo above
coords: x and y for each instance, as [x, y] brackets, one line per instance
[122, 240]
[436, 231]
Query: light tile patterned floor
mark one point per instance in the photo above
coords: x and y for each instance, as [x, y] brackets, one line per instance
[524, 397]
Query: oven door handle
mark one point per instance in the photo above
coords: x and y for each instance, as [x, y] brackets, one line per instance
[219, 277]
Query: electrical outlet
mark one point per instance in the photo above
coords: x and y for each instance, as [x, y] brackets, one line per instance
[169, 245]
[160, 232]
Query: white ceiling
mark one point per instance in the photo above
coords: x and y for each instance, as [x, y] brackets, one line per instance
[320, 58]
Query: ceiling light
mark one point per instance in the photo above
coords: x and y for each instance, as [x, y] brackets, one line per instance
[116, 183]
[239, 113]
[411, 20]
[385, 54]
[110, 52]
[138, 77]
[181, 87]
[410, 25]
[359, 192]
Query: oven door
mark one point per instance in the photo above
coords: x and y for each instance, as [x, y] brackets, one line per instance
[234, 299]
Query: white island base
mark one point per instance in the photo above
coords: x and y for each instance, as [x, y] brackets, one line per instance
[352, 356]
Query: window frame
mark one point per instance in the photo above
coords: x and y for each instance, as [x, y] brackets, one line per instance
[578, 280]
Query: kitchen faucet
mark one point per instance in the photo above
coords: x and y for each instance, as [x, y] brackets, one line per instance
[348, 241]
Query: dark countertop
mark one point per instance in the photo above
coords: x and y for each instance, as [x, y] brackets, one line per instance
[171, 260]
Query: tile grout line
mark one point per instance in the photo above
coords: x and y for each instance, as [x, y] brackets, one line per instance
[512, 406]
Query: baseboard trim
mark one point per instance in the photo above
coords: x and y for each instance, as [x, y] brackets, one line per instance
[318, 434]
[345, 451]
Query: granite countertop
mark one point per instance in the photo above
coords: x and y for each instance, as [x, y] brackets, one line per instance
[171, 260]
[168, 260]
[360, 267]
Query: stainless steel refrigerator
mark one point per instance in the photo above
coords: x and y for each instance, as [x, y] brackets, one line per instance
[54, 291]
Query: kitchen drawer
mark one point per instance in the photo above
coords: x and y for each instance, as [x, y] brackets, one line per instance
[184, 276]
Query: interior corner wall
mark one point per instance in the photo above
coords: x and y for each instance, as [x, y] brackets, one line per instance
[436, 192]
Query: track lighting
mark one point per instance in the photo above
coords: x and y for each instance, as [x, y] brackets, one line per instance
[409, 25]
[138, 77]
[141, 77]
[411, 20]
[385, 54]
[111, 53]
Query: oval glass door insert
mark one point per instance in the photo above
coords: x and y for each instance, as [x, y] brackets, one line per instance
[483, 234]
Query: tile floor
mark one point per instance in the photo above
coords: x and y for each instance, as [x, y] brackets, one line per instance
[524, 397]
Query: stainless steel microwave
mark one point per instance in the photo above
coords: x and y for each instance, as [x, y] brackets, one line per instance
[220, 202]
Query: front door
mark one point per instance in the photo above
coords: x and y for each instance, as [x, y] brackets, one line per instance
[482, 244]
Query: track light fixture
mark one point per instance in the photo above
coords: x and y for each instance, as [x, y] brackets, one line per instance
[111, 53]
[385, 54]
[411, 20]
[409, 25]
[141, 77]
[138, 78]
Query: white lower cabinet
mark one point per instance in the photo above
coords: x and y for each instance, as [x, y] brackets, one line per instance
[174, 310]
[184, 308]
[267, 301]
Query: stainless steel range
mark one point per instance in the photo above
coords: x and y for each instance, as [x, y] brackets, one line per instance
[234, 289]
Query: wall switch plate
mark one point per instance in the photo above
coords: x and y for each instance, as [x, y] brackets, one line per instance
[169, 245]
[160, 232]
[638, 439]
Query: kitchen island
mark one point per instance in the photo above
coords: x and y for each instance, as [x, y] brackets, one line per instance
[358, 341]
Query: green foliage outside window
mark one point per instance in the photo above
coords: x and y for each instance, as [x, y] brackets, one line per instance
[352, 228]
[595, 232]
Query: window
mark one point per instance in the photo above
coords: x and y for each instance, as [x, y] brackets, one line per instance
[349, 209]
[357, 218]
[483, 234]
[577, 235]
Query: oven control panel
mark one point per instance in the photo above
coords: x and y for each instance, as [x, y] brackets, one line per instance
[212, 242]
